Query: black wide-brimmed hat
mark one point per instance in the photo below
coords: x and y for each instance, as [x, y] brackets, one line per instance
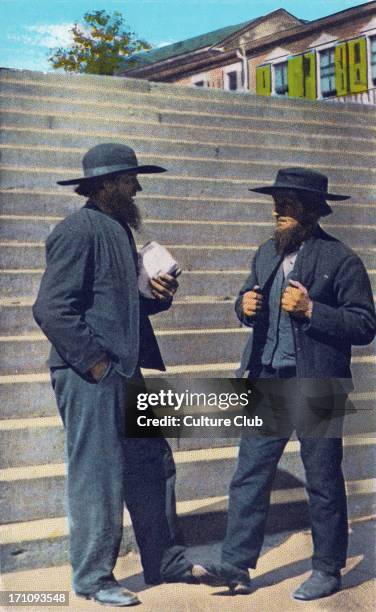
[110, 159]
[302, 179]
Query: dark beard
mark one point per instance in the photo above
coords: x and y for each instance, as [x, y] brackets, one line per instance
[123, 209]
[289, 240]
[130, 214]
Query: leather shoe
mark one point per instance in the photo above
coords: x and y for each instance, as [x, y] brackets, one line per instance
[189, 576]
[319, 584]
[237, 579]
[114, 595]
[210, 574]
[240, 586]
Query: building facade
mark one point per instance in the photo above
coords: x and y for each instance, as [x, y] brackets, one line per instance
[332, 58]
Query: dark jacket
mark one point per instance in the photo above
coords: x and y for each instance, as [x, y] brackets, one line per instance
[343, 308]
[88, 303]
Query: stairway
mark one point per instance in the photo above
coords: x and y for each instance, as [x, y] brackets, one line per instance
[215, 145]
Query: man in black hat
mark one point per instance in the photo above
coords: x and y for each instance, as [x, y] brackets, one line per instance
[90, 309]
[308, 299]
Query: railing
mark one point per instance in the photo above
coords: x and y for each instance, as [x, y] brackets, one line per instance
[366, 97]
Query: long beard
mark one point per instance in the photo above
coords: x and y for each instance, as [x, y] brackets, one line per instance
[123, 209]
[131, 215]
[289, 240]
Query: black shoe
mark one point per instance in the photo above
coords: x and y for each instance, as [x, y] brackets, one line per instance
[319, 584]
[240, 586]
[188, 576]
[237, 579]
[210, 574]
[114, 595]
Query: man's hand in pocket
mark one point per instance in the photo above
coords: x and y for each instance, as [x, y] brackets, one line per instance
[99, 368]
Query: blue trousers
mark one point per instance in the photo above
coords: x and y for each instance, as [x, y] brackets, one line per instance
[250, 489]
[106, 469]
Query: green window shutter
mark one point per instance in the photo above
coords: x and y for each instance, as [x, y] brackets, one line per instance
[263, 80]
[341, 69]
[358, 65]
[309, 67]
[295, 77]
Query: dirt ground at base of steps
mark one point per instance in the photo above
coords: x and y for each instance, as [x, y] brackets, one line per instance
[284, 564]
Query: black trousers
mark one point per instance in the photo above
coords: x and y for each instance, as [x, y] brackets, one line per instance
[250, 489]
[106, 469]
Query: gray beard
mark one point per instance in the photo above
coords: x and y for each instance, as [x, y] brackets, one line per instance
[289, 240]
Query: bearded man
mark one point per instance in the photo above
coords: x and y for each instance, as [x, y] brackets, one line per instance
[308, 299]
[90, 309]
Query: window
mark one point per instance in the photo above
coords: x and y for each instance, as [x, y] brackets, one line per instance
[280, 79]
[200, 79]
[327, 73]
[232, 80]
[373, 59]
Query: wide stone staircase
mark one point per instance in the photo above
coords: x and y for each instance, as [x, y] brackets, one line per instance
[215, 145]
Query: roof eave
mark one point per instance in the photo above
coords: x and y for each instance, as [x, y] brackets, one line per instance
[178, 65]
[262, 44]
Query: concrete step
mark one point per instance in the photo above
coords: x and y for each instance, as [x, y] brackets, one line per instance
[22, 255]
[167, 98]
[220, 284]
[40, 479]
[28, 354]
[31, 396]
[79, 84]
[28, 255]
[38, 491]
[33, 442]
[115, 126]
[193, 312]
[69, 160]
[235, 98]
[39, 440]
[16, 177]
[43, 543]
[73, 80]
[285, 154]
[303, 120]
[200, 233]
[166, 207]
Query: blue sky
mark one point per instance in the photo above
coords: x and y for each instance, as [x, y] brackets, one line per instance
[32, 27]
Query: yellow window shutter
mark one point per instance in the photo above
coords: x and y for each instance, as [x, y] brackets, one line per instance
[357, 65]
[295, 77]
[341, 69]
[309, 65]
[263, 80]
